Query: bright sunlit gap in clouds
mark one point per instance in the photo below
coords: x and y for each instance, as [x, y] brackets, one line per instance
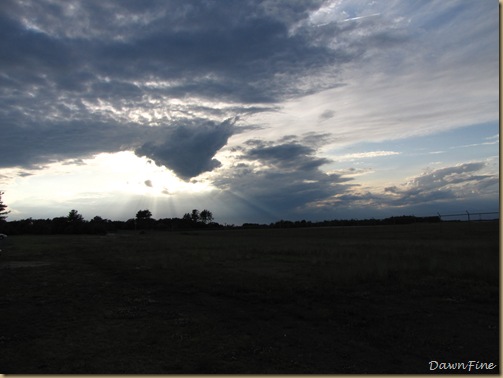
[139, 175]
[123, 174]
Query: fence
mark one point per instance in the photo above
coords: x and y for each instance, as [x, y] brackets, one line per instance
[470, 216]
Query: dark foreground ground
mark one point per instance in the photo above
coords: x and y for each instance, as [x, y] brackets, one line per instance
[385, 299]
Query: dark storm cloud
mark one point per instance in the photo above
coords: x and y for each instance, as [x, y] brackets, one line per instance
[189, 149]
[240, 49]
[232, 49]
[237, 61]
[287, 156]
[33, 145]
[283, 177]
[82, 77]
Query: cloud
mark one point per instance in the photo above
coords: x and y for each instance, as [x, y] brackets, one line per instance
[327, 114]
[476, 144]
[24, 174]
[449, 183]
[80, 78]
[31, 145]
[366, 155]
[188, 149]
[281, 177]
[287, 156]
[448, 189]
[74, 162]
[360, 17]
[120, 52]
[236, 52]
[73, 66]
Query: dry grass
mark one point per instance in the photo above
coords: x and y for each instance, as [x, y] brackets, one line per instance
[328, 300]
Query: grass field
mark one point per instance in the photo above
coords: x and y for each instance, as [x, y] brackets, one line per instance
[384, 299]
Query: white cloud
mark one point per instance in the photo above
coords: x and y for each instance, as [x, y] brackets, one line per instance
[365, 155]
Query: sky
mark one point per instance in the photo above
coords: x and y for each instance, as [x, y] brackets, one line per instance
[255, 110]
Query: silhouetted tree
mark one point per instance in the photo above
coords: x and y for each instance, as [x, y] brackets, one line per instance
[98, 225]
[195, 216]
[143, 214]
[74, 217]
[3, 213]
[74, 223]
[144, 219]
[206, 216]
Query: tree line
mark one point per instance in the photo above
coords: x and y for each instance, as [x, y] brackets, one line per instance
[403, 219]
[74, 223]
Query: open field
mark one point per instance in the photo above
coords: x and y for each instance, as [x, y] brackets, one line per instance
[384, 299]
